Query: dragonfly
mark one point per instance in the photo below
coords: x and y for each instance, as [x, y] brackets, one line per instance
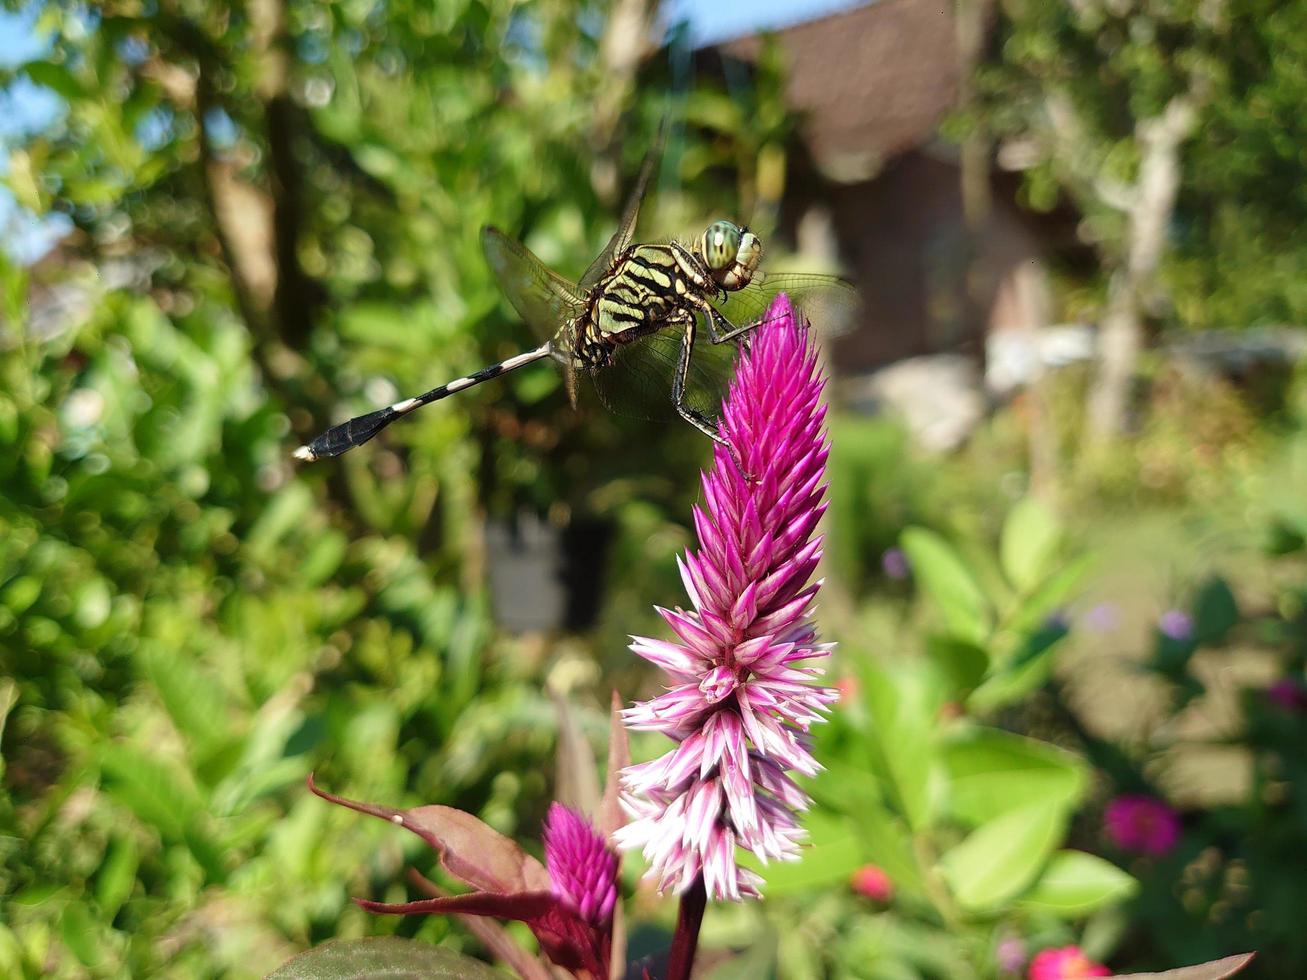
[632, 324]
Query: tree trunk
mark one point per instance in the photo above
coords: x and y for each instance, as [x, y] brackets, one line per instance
[974, 183]
[1148, 215]
[1120, 335]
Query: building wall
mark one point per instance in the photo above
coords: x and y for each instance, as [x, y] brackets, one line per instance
[902, 238]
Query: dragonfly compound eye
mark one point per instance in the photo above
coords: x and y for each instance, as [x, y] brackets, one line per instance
[719, 245]
[744, 263]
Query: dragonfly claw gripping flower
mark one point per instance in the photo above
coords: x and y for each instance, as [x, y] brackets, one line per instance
[741, 668]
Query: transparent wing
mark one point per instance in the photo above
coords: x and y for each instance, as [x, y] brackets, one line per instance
[630, 215]
[829, 303]
[637, 381]
[543, 298]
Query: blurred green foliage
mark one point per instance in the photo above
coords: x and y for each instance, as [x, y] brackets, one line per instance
[276, 208]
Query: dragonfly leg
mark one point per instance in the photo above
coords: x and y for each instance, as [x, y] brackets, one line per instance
[696, 419]
[722, 330]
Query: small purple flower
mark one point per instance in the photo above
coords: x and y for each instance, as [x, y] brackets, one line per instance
[1102, 618]
[740, 700]
[1177, 625]
[1141, 823]
[582, 868]
[1011, 954]
[894, 563]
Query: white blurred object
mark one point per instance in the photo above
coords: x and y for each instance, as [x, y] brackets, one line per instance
[1015, 358]
[938, 397]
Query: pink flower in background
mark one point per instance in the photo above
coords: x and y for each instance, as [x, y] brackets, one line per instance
[848, 688]
[1143, 824]
[1287, 694]
[1066, 963]
[582, 868]
[740, 699]
[871, 881]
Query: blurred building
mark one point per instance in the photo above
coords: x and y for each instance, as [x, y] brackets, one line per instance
[872, 182]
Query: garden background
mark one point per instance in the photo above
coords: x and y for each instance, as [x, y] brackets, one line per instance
[1072, 631]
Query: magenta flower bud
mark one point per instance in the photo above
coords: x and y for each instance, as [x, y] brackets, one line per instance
[740, 697]
[582, 868]
[872, 882]
[1287, 694]
[1065, 963]
[1143, 824]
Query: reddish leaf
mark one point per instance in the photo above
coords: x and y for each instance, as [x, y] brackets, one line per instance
[492, 935]
[469, 850]
[1215, 970]
[577, 784]
[522, 906]
[566, 938]
[610, 816]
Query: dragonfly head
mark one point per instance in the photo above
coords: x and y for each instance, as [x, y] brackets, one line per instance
[730, 252]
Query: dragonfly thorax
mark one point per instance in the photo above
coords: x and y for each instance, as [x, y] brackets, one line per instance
[730, 253]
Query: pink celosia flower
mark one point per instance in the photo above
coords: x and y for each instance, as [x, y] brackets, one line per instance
[582, 868]
[872, 882]
[1143, 824]
[740, 701]
[1067, 963]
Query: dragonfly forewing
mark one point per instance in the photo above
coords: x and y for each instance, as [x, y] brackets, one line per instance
[829, 303]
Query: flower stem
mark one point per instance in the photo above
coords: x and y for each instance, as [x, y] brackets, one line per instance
[686, 940]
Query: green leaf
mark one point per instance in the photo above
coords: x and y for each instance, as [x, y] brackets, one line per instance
[158, 794]
[1215, 611]
[999, 860]
[1028, 544]
[383, 957]
[1076, 883]
[116, 878]
[56, 77]
[904, 704]
[948, 583]
[964, 664]
[993, 772]
[1023, 671]
[81, 933]
[1215, 970]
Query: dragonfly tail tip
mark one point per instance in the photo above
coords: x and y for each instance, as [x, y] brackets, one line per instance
[305, 454]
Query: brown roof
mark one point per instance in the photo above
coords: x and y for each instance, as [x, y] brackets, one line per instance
[871, 82]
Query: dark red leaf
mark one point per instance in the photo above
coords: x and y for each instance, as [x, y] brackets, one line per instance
[576, 779]
[522, 906]
[611, 816]
[1215, 970]
[469, 850]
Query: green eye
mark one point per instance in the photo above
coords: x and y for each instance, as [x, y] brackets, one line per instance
[721, 243]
